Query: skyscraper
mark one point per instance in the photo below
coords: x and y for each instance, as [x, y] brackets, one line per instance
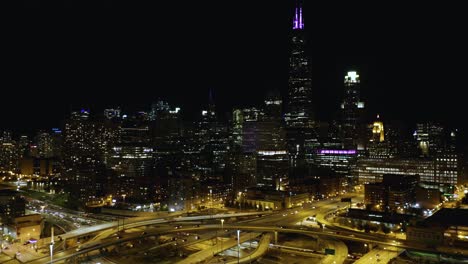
[300, 111]
[352, 110]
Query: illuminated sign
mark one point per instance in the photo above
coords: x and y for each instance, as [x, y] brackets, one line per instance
[271, 153]
[337, 151]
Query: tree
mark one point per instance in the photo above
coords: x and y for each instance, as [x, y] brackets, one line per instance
[367, 228]
[385, 229]
[360, 225]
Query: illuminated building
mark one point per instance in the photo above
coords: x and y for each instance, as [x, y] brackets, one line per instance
[378, 147]
[299, 116]
[339, 160]
[112, 113]
[352, 111]
[9, 152]
[434, 139]
[378, 131]
[167, 131]
[372, 170]
[27, 227]
[446, 168]
[85, 144]
[158, 107]
[23, 146]
[181, 188]
[272, 155]
[236, 129]
[44, 144]
[12, 205]
[131, 162]
[447, 227]
[300, 111]
[250, 129]
[267, 199]
[242, 170]
[57, 141]
[428, 195]
[395, 191]
[213, 140]
[439, 170]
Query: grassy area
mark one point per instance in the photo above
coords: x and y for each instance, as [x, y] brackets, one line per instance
[61, 199]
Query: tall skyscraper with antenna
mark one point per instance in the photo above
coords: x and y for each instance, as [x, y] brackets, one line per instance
[299, 110]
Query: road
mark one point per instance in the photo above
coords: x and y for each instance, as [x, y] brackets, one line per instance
[262, 248]
[205, 254]
[377, 256]
[270, 222]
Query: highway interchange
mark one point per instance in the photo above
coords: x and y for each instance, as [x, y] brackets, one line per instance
[108, 236]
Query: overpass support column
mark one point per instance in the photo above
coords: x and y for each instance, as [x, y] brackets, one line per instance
[276, 237]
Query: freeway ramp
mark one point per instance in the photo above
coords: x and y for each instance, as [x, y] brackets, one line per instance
[260, 251]
[205, 254]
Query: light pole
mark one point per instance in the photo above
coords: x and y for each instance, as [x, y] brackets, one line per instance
[238, 246]
[51, 244]
[222, 230]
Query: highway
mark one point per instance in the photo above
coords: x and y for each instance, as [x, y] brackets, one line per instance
[144, 221]
[262, 248]
[377, 255]
[288, 221]
[211, 252]
[103, 243]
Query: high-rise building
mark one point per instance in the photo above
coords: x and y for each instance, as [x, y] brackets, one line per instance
[378, 147]
[23, 146]
[112, 113]
[352, 111]
[44, 144]
[158, 107]
[272, 155]
[131, 162]
[300, 109]
[8, 152]
[85, 144]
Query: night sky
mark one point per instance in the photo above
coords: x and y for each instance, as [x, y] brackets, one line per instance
[412, 60]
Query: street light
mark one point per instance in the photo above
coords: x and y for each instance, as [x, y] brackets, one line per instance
[238, 246]
[222, 230]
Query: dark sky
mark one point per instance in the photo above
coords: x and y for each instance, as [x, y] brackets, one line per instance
[412, 60]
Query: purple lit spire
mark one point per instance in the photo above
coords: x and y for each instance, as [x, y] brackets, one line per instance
[298, 23]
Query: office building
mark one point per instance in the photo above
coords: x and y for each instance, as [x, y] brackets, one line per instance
[300, 108]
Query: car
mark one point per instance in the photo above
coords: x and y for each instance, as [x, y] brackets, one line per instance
[197, 237]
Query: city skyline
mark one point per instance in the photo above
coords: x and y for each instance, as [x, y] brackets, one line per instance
[244, 132]
[241, 62]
